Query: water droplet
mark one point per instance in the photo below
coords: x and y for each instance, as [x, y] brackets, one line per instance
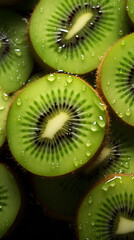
[84, 88]
[52, 165]
[112, 184]
[88, 153]
[80, 227]
[51, 77]
[114, 101]
[76, 162]
[59, 49]
[69, 79]
[5, 97]
[23, 153]
[2, 108]
[128, 112]
[126, 165]
[19, 102]
[89, 214]
[18, 41]
[108, 83]
[101, 122]
[19, 118]
[41, 10]
[92, 54]
[65, 84]
[104, 187]
[99, 104]
[123, 43]
[120, 115]
[120, 32]
[18, 52]
[94, 127]
[88, 143]
[90, 200]
[82, 57]
[92, 223]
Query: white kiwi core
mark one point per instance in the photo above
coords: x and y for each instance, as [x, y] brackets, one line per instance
[78, 25]
[125, 226]
[54, 125]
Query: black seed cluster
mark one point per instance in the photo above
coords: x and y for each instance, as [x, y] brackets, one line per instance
[131, 80]
[78, 38]
[5, 46]
[64, 134]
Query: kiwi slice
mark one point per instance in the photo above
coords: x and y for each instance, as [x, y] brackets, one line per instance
[5, 102]
[16, 61]
[107, 211]
[10, 199]
[116, 78]
[130, 9]
[61, 196]
[74, 35]
[51, 121]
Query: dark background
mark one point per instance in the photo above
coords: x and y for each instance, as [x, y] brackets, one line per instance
[32, 222]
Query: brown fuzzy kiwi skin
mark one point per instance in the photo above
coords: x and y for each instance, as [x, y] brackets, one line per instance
[94, 157]
[94, 186]
[100, 91]
[21, 211]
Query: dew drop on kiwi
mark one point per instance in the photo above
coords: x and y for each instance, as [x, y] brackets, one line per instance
[51, 77]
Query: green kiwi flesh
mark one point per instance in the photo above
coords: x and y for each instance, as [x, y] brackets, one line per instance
[130, 9]
[74, 35]
[116, 75]
[56, 124]
[107, 211]
[62, 196]
[10, 199]
[5, 102]
[16, 61]
[117, 155]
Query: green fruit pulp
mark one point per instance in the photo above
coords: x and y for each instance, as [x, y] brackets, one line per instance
[117, 78]
[130, 9]
[10, 199]
[16, 61]
[107, 210]
[50, 123]
[76, 45]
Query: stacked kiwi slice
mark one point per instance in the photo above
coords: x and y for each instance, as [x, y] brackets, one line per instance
[67, 116]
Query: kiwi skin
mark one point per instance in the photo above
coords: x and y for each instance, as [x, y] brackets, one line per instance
[100, 91]
[94, 186]
[94, 157]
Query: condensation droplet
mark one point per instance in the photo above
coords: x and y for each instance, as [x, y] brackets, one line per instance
[128, 112]
[120, 115]
[90, 200]
[59, 49]
[101, 122]
[108, 83]
[88, 153]
[19, 118]
[51, 77]
[19, 102]
[41, 10]
[123, 43]
[69, 79]
[18, 52]
[2, 108]
[114, 101]
[5, 97]
[94, 127]
[82, 57]
[104, 188]
[84, 88]
[75, 162]
[88, 143]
